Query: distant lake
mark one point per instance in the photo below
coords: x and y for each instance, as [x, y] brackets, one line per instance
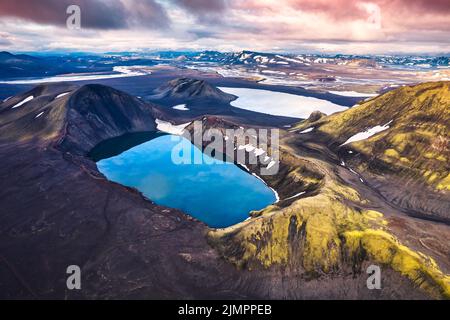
[280, 103]
[220, 194]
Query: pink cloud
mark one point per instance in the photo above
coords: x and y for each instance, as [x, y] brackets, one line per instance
[253, 23]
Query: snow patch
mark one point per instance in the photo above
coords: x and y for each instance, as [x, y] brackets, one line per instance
[168, 127]
[353, 94]
[244, 166]
[62, 95]
[247, 147]
[259, 152]
[296, 195]
[23, 102]
[367, 134]
[289, 59]
[271, 164]
[181, 107]
[276, 194]
[307, 130]
[40, 114]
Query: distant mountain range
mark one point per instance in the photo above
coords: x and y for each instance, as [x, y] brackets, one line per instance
[28, 65]
[260, 58]
[24, 65]
[265, 59]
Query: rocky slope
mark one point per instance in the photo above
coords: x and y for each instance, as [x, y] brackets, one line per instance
[187, 88]
[75, 118]
[407, 161]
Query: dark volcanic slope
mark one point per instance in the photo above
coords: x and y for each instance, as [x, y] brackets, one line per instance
[186, 88]
[202, 98]
[75, 118]
[58, 210]
[96, 113]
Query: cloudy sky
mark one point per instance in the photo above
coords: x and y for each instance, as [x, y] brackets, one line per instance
[331, 26]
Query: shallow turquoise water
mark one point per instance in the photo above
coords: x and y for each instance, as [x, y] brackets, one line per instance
[220, 194]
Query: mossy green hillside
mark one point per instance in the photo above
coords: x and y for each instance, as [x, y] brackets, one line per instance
[326, 234]
[417, 143]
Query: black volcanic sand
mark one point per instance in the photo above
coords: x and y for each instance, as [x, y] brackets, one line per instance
[58, 210]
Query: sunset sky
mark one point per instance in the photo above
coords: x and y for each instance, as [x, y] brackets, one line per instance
[328, 26]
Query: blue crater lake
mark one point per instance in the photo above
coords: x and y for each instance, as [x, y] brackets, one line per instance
[216, 192]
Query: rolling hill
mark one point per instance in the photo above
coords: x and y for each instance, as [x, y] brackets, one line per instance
[396, 141]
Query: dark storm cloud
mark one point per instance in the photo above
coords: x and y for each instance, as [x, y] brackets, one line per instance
[207, 12]
[96, 14]
[199, 7]
[146, 13]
